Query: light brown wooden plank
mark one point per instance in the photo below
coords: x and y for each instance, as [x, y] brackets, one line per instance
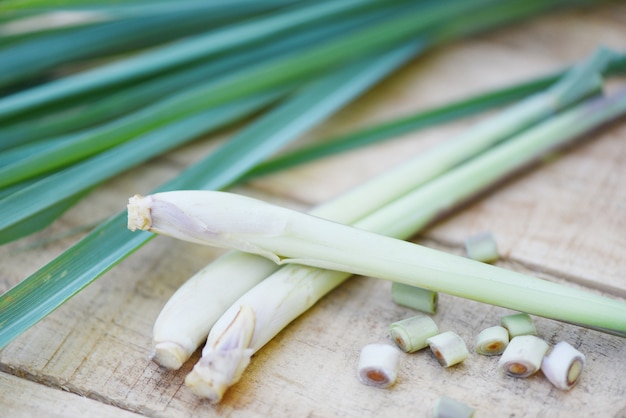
[97, 345]
[21, 398]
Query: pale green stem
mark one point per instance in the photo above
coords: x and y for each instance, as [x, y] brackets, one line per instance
[286, 236]
[353, 206]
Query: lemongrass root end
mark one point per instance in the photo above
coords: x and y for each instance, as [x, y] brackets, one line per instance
[170, 355]
[139, 216]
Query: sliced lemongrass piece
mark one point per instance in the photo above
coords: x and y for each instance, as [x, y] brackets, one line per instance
[482, 247]
[414, 297]
[448, 347]
[378, 365]
[451, 408]
[410, 334]
[518, 324]
[523, 356]
[492, 341]
[563, 366]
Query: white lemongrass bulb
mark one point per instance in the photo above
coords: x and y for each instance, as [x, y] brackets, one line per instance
[563, 366]
[223, 365]
[177, 332]
[448, 347]
[492, 341]
[378, 365]
[523, 356]
[411, 334]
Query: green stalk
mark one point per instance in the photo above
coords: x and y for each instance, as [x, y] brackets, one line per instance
[290, 237]
[45, 290]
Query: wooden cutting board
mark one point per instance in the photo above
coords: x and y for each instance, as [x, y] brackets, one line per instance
[565, 221]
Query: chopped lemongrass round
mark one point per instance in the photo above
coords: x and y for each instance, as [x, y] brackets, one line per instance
[523, 356]
[414, 297]
[563, 366]
[451, 408]
[482, 247]
[378, 365]
[411, 334]
[492, 341]
[448, 347]
[518, 324]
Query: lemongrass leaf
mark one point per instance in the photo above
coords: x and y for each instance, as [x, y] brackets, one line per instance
[39, 294]
[98, 109]
[171, 55]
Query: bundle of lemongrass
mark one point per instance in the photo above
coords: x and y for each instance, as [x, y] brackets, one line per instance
[89, 89]
[317, 254]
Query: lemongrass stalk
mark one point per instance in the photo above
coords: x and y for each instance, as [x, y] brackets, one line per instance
[411, 334]
[423, 300]
[482, 247]
[518, 324]
[448, 347]
[523, 356]
[492, 341]
[293, 289]
[563, 365]
[290, 237]
[378, 365]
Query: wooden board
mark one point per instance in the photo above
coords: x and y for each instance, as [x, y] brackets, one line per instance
[563, 221]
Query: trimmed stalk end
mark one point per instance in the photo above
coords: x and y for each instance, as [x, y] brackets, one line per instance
[139, 216]
[170, 355]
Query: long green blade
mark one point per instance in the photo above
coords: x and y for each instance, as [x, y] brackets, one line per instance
[90, 111]
[171, 55]
[48, 288]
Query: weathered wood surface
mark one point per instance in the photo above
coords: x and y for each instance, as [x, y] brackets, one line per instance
[564, 221]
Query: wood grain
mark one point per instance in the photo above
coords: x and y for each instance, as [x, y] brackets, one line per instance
[564, 221]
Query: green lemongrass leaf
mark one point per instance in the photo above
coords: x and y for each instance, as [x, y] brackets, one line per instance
[100, 109]
[172, 55]
[40, 220]
[29, 58]
[604, 61]
[45, 290]
[30, 208]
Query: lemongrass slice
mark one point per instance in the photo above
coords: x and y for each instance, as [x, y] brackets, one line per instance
[451, 408]
[448, 347]
[378, 365]
[414, 297]
[518, 324]
[563, 366]
[482, 247]
[523, 356]
[410, 334]
[492, 341]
